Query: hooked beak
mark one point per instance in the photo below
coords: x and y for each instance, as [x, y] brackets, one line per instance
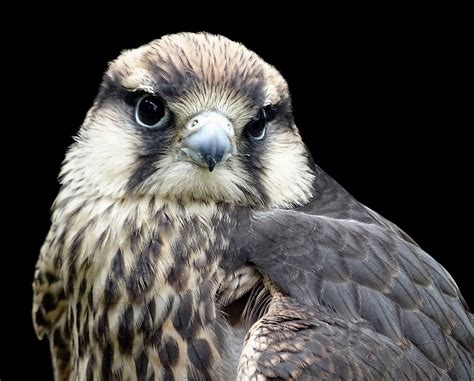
[209, 139]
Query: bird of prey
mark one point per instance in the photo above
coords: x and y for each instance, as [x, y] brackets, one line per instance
[194, 238]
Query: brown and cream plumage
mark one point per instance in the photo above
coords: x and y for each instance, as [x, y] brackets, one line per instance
[194, 238]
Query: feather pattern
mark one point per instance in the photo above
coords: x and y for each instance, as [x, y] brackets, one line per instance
[364, 273]
[263, 269]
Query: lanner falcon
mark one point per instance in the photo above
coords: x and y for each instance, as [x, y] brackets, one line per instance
[194, 238]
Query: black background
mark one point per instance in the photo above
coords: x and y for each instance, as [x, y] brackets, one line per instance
[381, 102]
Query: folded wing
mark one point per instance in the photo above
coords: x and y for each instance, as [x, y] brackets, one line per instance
[364, 275]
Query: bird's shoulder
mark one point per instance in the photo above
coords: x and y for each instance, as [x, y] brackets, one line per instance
[363, 271]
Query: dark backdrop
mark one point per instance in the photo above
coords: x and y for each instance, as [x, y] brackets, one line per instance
[380, 102]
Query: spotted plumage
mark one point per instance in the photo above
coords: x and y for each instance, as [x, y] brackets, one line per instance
[194, 238]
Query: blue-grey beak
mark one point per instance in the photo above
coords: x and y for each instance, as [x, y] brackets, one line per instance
[209, 139]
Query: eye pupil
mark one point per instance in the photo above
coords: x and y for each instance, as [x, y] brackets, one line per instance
[256, 127]
[149, 111]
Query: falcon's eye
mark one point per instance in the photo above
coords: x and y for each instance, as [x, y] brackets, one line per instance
[256, 127]
[149, 111]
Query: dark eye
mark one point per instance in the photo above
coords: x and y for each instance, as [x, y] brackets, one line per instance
[256, 127]
[149, 111]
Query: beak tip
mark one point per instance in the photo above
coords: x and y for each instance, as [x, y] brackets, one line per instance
[211, 163]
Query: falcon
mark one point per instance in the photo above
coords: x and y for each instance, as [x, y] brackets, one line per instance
[194, 238]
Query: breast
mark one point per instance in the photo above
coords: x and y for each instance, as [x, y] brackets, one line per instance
[142, 299]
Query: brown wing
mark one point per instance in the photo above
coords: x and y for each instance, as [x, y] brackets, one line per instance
[49, 305]
[294, 341]
[366, 273]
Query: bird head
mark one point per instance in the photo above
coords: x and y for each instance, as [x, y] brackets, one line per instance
[192, 117]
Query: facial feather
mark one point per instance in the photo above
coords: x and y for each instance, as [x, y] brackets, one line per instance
[115, 157]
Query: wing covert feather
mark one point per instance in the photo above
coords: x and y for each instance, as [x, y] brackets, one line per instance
[295, 341]
[364, 272]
